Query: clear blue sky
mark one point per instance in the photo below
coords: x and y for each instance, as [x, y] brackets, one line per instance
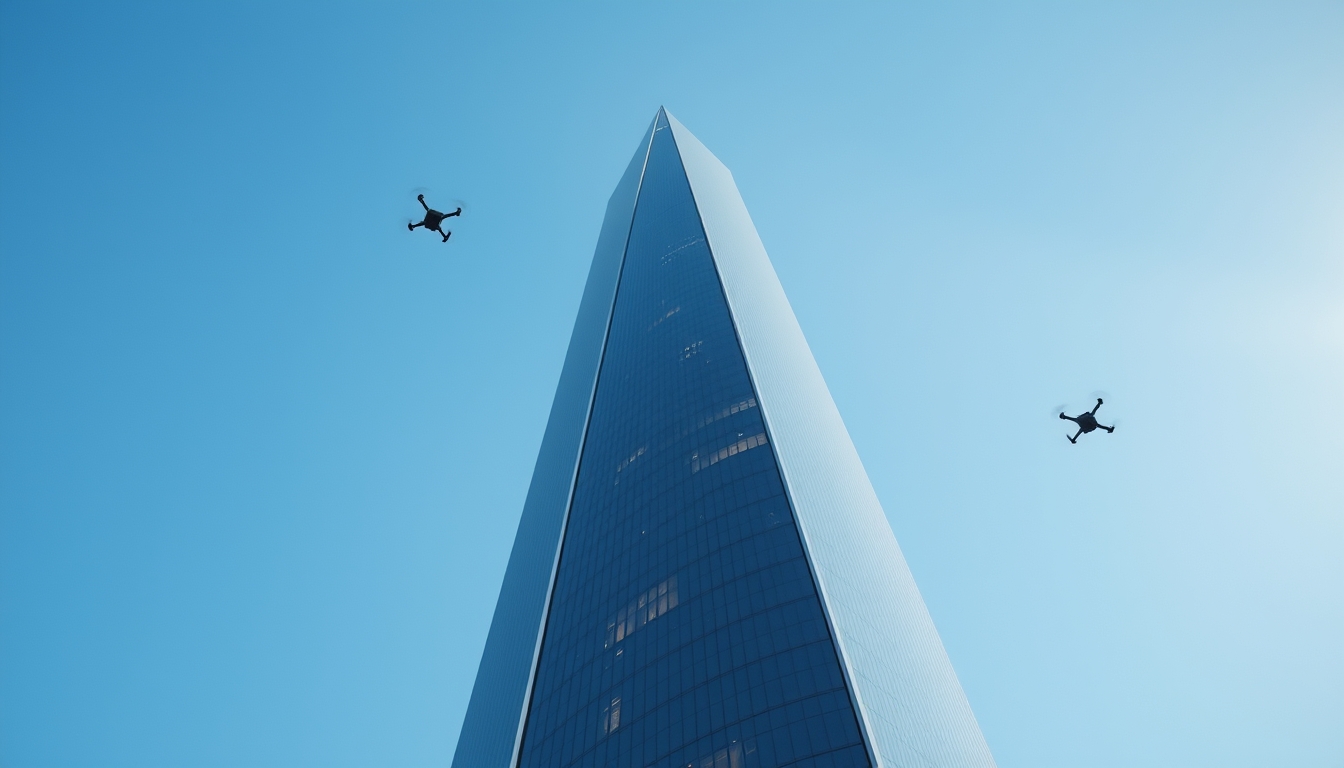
[263, 452]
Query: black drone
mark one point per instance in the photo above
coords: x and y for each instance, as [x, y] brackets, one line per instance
[433, 219]
[1086, 422]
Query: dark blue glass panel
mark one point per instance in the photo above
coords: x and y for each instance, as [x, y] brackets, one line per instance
[685, 630]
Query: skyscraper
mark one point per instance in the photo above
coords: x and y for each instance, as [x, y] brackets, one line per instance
[702, 575]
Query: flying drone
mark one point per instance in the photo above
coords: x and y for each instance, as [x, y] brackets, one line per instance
[1086, 422]
[434, 219]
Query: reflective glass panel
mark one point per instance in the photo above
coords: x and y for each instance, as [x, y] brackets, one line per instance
[684, 630]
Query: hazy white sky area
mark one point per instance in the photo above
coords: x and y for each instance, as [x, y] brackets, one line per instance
[263, 452]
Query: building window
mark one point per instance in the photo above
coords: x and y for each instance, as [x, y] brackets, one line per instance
[611, 715]
[670, 313]
[671, 255]
[641, 610]
[737, 407]
[700, 460]
[629, 460]
[731, 756]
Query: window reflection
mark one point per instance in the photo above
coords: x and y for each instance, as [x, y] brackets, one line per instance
[737, 407]
[611, 715]
[732, 756]
[680, 249]
[660, 320]
[643, 609]
[701, 460]
[640, 451]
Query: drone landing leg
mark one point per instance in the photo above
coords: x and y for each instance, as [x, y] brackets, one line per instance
[413, 226]
[1108, 429]
[1076, 435]
[458, 212]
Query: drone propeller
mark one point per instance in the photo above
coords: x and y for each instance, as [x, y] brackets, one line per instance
[429, 192]
[1103, 416]
[415, 192]
[1087, 406]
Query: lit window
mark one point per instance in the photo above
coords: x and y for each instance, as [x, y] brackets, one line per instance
[675, 252]
[670, 313]
[646, 607]
[731, 756]
[737, 407]
[627, 462]
[611, 715]
[700, 460]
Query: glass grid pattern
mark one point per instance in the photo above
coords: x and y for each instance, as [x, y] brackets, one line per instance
[684, 627]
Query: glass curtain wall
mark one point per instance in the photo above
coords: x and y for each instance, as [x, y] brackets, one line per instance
[684, 628]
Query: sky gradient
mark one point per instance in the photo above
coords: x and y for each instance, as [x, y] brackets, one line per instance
[263, 452]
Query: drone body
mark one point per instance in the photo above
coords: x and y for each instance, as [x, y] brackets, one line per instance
[1087, 422]
[433, 219]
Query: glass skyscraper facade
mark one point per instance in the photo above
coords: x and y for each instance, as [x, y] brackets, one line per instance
[702, 577]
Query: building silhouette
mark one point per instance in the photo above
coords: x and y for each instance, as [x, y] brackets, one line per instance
[703, 576]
